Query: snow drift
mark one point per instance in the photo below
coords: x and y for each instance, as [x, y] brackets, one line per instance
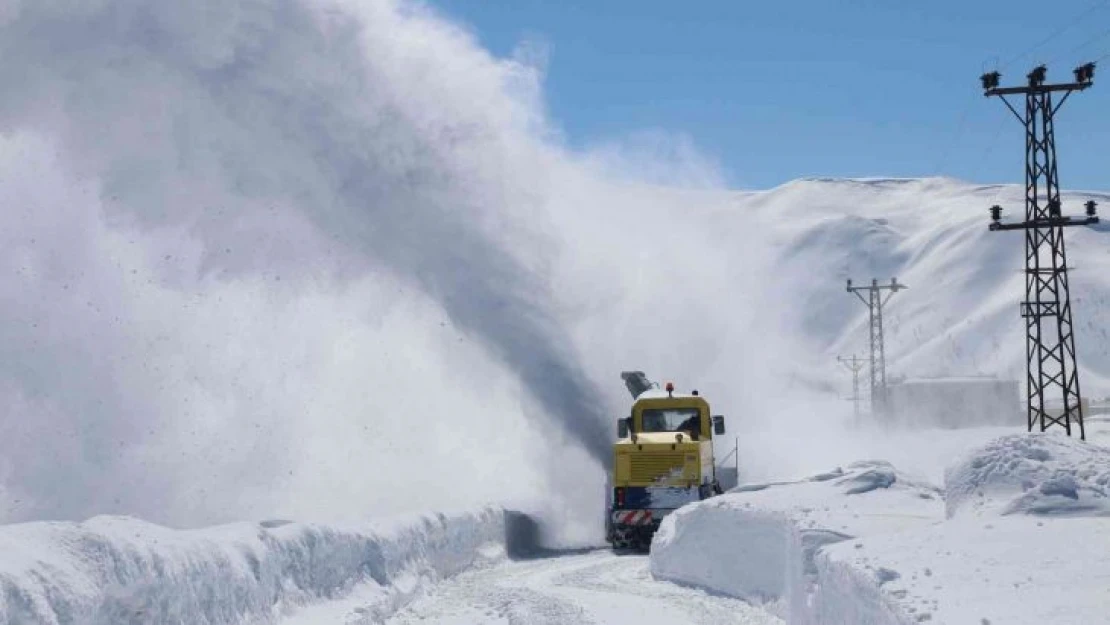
[115, 570]
[867, 545]
[1040, 474]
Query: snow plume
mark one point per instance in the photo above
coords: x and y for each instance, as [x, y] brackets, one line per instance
[310, 258]
[283, 148]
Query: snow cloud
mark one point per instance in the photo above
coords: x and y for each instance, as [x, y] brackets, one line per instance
[323, 259]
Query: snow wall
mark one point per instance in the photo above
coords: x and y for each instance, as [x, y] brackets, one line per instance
[762, 543]
[117, 570]
[747, 553]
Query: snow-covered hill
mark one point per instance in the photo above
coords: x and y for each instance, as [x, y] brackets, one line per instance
[757, 318]
[960, 315]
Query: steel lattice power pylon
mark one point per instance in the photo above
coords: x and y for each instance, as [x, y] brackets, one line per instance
[1049, 334]
[855, 365]
[875, 302]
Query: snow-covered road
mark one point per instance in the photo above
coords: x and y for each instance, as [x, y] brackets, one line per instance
[594, 587]
[582, 588]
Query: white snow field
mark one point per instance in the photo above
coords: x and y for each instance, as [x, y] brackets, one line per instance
[117, 570]
[1017, 535]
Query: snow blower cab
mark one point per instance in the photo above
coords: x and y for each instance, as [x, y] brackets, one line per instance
[662, 460]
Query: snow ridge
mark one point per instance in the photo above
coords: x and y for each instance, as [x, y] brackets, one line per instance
[117, 570]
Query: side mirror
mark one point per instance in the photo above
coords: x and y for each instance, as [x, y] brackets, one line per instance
[718, 424]
[622, 427]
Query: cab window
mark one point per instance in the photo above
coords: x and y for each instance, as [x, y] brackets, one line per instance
[672, 420]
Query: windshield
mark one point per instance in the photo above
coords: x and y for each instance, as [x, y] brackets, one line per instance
[672, 420]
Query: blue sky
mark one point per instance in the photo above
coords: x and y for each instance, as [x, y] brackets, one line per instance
[776, 91]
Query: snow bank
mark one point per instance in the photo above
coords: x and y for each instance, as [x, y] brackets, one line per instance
[1040, 474]
[1002, 554]
[758, 542]
[122, 570]
[1020, 544]
[731, 550]
[1017, 538]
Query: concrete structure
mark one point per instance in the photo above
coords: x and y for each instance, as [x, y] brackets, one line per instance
[955, 402]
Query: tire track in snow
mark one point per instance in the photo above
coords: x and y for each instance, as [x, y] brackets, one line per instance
[594, 588]
[496, 595]
[629, 576]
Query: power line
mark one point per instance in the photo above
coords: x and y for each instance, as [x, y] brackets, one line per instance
[991, 144]
[943, 160]
[1082, 46]
[1056, 33]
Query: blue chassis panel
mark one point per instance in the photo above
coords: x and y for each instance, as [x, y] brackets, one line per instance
[647, 498]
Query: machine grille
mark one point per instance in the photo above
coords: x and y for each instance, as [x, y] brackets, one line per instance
[651, 467]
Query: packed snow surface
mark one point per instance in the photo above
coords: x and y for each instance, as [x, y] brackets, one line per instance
[1016, 536]
[593, 588]
[116, 570]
